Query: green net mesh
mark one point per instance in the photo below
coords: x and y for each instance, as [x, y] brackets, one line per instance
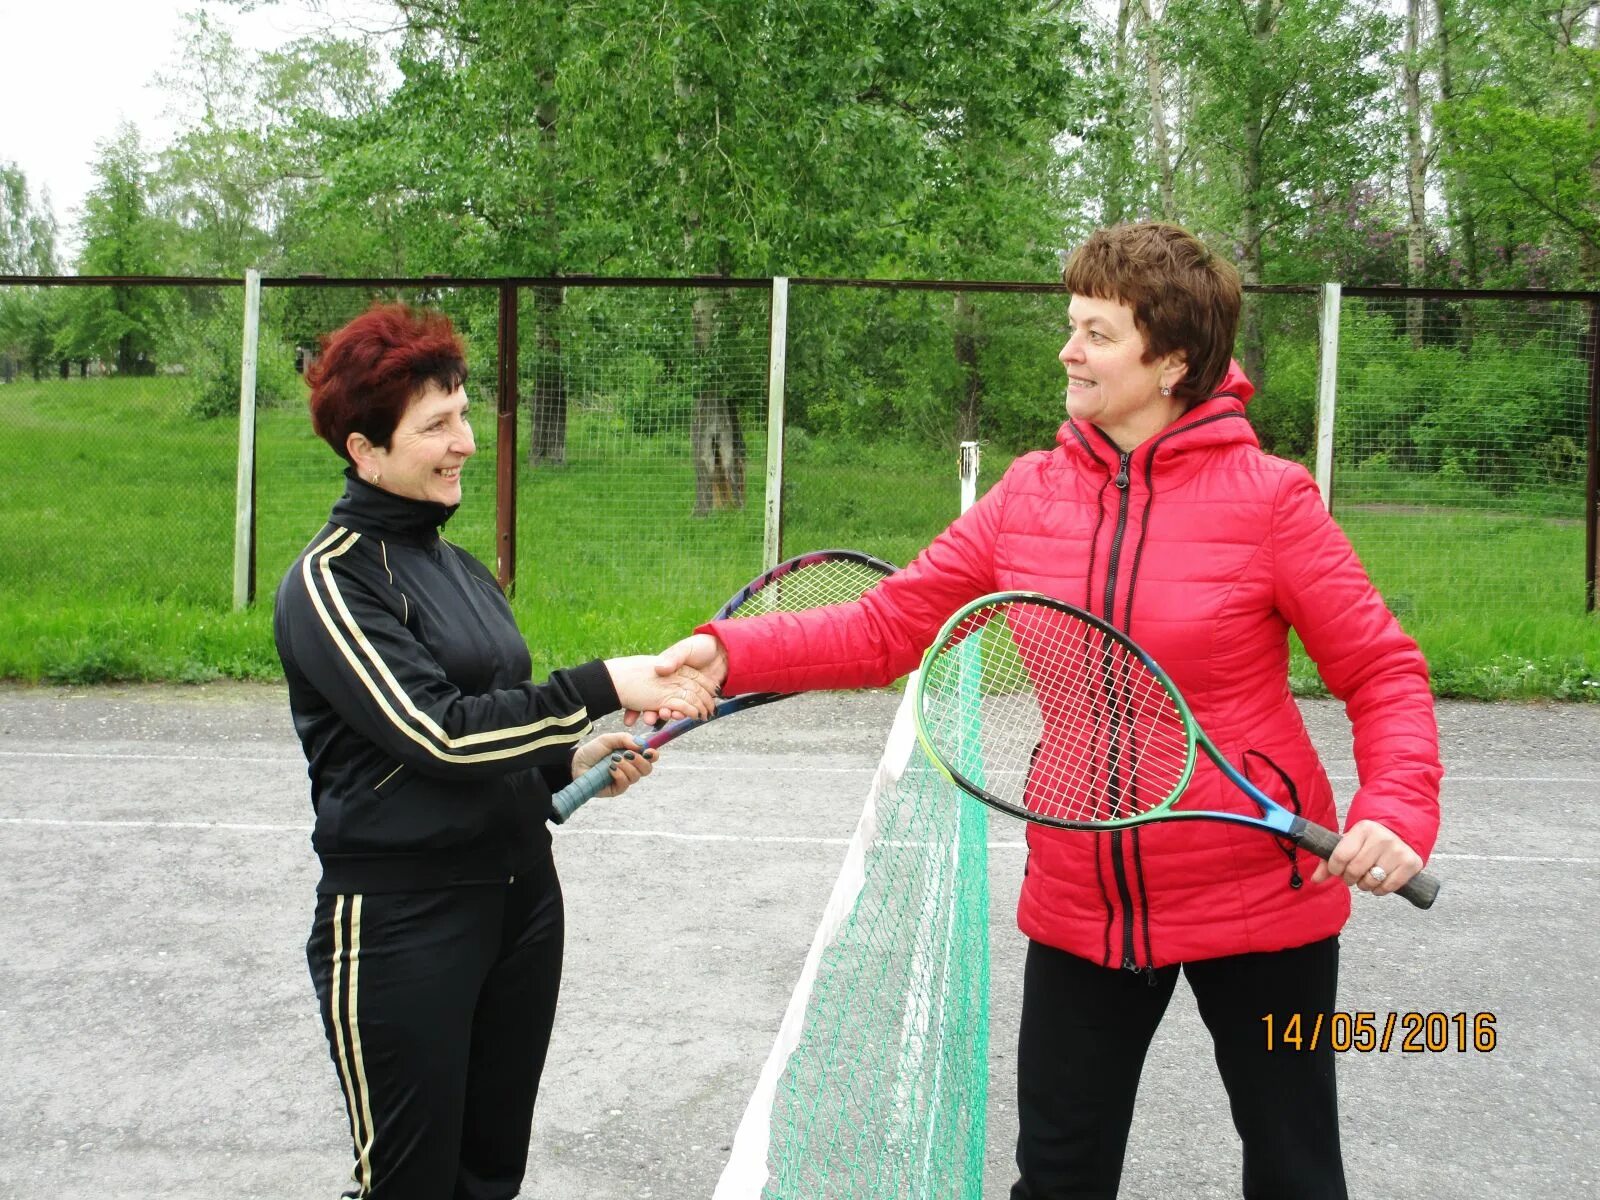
[884, 1091]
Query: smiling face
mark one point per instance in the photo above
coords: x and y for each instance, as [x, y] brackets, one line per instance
[1109, 383]
[426, 451]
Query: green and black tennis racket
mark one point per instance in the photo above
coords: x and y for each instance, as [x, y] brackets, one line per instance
[812, 580]
[1046, 712]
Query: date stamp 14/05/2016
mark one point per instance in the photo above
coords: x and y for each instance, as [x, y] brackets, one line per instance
[1381, 1032]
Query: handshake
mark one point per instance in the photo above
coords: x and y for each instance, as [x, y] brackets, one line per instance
[684, 680]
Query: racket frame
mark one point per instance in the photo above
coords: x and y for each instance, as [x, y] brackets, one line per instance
[1275, 818]
[598, 777]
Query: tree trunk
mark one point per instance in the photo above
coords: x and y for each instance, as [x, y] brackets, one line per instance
[1159, 142]
[1458, 198]
[1253, 348]
[547, 441]
[1588, 251]
[1119, 168]
[1416, 166]
[969, 400]
[714, 432]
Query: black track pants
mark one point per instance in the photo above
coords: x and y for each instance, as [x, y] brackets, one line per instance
[438, 1007]
[1085, 1031]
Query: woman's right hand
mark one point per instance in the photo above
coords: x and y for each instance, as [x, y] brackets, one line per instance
[643, 688]
[699, 651]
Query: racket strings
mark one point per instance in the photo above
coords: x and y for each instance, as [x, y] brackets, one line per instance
[1060, 719]
[812, 583]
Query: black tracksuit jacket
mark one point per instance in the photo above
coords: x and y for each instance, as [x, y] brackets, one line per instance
[432, 755]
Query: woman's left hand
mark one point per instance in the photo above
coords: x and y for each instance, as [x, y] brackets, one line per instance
[630, 764]
[1370, 856]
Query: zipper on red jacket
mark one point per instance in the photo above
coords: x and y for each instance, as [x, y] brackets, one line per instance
[1118, 866]
[1131, 960]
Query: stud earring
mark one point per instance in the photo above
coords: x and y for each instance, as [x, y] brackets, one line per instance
[1166, 391]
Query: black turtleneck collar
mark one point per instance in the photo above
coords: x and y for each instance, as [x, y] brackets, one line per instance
[369, 509]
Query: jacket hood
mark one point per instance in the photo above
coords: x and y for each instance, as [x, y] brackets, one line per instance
[1235, 383]
[1228, 400]
[372, 510]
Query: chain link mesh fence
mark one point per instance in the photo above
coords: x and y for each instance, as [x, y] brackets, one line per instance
[1459, 453]
[121, 407]
[642, 443]
[642, 439]
[885, 383]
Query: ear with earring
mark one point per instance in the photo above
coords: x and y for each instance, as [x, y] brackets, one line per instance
[1166, 391]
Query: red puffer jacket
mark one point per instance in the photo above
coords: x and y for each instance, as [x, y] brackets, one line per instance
[1206, 551]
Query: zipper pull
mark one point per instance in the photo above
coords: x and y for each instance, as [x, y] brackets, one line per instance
[1149, 972]
[1122, 471]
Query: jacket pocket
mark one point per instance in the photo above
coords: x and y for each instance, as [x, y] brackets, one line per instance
[1277, 783]
[391, 781]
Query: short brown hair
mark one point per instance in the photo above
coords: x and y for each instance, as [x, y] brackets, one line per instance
[372, 368]
[1184, 298]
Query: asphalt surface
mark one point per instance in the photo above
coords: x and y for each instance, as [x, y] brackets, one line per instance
[159, 1038]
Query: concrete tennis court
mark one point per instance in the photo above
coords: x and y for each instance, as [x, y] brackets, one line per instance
[158, 1036]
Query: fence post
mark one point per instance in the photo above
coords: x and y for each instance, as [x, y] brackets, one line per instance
[244, 495]
[505, 446]
[1327, 381]
[777, 357]
[1592, 490]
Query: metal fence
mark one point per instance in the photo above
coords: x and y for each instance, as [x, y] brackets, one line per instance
[1458, 444]
[671, 436]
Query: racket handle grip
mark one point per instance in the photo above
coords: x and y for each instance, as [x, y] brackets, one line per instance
[1421, 889]
[586, 786]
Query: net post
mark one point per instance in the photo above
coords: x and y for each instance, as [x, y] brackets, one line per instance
[969, 474]
[1327, 380]
[971, 841]
[505, 446]
[244, 495]
[777, 357]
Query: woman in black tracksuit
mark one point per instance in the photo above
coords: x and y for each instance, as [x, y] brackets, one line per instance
[436, 946]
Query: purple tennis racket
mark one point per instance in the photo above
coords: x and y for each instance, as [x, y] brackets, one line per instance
[812, 580]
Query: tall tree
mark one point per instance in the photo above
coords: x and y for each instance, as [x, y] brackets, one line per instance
[119, 236]
[27, 227]
[27, 247]
[1287, 98]
[1521, 141]
[1416, 165]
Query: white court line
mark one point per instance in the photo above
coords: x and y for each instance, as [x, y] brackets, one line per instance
[234, 825]
[684, 767]
[300, 762]
[677, 836]
[216, 758]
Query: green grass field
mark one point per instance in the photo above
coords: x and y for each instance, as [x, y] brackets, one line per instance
[116, 555]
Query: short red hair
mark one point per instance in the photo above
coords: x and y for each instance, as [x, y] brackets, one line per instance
[371, 370]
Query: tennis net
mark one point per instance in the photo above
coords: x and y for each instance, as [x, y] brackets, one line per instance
[877, 1084]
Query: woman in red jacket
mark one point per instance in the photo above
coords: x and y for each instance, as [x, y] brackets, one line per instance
[1158, 511]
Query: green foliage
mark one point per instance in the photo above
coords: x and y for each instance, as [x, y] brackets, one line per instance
[1284, 414]
[122, 568]
[1520, 141]
[212, 371]
[27, 231]
[121, 325]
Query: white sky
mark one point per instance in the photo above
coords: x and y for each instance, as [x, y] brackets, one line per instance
[71, 70]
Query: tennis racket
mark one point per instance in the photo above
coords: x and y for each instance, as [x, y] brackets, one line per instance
[812, 580]
[1046, 712]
